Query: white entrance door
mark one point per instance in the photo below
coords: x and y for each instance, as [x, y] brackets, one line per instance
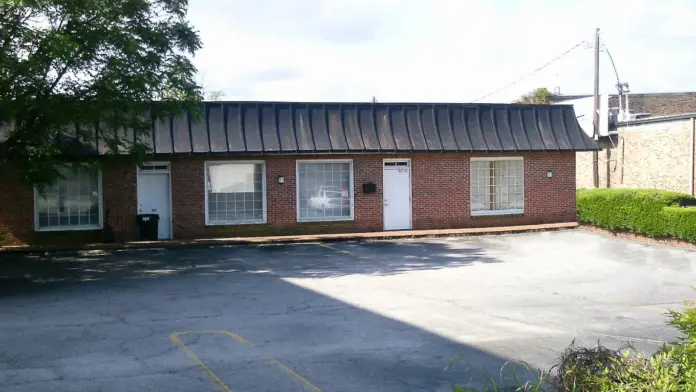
[154, 195]
[397, 194]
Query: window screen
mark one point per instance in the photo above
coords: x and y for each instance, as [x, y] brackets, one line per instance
[72, 202]
[235, 193]
[324, 190]
[497, 186]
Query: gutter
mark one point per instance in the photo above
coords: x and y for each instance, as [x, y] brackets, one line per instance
[652, 120]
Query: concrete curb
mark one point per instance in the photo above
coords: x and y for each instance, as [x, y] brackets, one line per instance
[293, 239]
[664, 241]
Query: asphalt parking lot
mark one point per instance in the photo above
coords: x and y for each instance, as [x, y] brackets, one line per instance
[370, 316]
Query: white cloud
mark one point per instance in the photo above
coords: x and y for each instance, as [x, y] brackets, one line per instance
[437, 50]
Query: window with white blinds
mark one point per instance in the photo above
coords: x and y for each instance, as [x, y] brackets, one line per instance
[497, 186]
[73, 202]
[235, 192]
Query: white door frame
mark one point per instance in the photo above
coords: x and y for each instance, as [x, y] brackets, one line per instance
[410, 190]
[168, 170]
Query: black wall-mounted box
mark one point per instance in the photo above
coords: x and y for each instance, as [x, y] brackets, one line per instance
[369, 187]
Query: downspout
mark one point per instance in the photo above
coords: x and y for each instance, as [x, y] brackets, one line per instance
[628, 110]
[609, 166]
[623, 157]
[693, 152]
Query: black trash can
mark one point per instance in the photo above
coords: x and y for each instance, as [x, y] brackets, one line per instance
[148, 226]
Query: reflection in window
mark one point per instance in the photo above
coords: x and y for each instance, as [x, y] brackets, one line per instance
[71, 203]
[324, 190]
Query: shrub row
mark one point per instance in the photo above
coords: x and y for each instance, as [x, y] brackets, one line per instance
[651, 212]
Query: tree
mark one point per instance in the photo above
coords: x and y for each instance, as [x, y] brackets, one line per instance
[539, 96]
[214, 95]
[75, 72]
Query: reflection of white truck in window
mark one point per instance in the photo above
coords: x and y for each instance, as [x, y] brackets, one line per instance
[326, 197]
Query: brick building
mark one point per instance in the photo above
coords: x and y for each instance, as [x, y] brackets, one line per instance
[646, 104]
[653, 152]
[652, 148]
[268, 168]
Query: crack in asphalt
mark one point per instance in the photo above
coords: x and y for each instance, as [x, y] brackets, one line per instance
[119, 377]
[346, 331]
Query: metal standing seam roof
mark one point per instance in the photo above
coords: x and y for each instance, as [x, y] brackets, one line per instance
[297, 128]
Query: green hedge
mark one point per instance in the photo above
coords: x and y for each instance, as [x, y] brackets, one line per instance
[681, 223]
[652, 212]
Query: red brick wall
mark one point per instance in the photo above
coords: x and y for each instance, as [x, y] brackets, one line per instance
[440, 189]
[441, 192]
[440, 195]
[281, 204]
[188, 200]
[16, 208]
[546, 200]
[119, 197]
[440, 185]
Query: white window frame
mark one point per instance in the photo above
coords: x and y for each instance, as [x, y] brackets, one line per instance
[263, 194]
[350, 183]
[516, 211]
[98, 226]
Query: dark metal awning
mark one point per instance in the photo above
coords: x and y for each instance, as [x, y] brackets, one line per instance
[298, 128]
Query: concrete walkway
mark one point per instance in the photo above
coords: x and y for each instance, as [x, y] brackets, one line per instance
[296, 238]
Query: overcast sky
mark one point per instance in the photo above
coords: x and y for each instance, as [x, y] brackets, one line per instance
[438, 50]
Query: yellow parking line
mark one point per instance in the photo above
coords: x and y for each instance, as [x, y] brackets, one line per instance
[646, 307]
[295, 375]
[652, 308]
[339, 250]
[230, 334]
[627, 338]
[174, 337]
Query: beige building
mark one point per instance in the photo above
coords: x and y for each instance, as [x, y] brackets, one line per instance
[654, 149]
[653, 152]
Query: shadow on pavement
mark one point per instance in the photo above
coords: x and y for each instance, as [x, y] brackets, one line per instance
[25, 273]
[93, 304]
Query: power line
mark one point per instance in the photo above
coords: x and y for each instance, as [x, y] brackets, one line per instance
[533, 72]
[611, 58]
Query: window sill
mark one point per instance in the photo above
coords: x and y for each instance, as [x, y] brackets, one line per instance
[67, 228]
[497, 213]
[312, 220]
[236, 223]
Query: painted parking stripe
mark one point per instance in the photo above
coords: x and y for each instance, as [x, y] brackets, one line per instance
[335, 249]
[174, 337]
[651, 307]
[211, 375]
[627, 338]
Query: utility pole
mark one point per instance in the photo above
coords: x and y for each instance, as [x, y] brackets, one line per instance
[595, 118]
